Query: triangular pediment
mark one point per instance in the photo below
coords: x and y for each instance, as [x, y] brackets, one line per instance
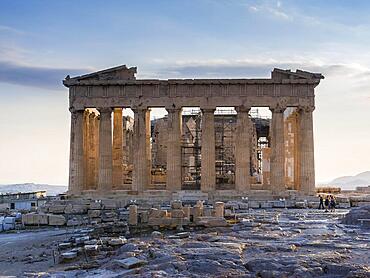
[280, 74]
[115, 73]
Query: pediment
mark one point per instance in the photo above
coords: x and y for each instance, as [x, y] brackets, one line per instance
[115, 73]
[280, 74]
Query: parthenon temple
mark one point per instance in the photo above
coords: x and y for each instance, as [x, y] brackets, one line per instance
[213, 140]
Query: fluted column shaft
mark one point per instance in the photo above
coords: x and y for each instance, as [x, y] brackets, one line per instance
[306, 151]
[277, 161]
[117, 149]
[208, 166]
[242, 150]
[91, 152]
[174, 122]
[105, 150]
[142, 155]
[76, 158]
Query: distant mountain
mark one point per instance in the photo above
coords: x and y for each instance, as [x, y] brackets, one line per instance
[351, 182]
[30, 187]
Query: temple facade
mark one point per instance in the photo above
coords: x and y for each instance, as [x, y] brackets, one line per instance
[111, 153]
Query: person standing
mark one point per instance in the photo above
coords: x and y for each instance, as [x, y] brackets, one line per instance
[332, 203]
[326, 203]
[321, 206]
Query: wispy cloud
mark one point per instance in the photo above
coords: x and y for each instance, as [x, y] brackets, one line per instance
[252, 68]
[274, 9]
[4, 28]
[41, 77]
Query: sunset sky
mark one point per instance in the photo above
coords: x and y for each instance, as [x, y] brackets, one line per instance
[43, 41]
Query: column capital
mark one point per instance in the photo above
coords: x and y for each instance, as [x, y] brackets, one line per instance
[173, 109]
[74, 110]
[138, 109]
[277, 108]
[208, 109]
[242, 109]
[105, 109]
[306, 108]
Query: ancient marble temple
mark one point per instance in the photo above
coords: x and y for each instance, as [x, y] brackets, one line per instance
[99, 149]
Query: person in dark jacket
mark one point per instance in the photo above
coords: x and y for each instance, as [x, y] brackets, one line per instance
[321, 206]
[327, 202]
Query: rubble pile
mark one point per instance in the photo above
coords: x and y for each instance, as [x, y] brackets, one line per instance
[76, 213]
[358, 216]
[178, 216]
[266, 243]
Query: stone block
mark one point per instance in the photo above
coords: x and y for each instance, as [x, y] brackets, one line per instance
[68, 256]
[74, 222]
[301, 204]
[27, 219]
[278, 203]
[56, 220]
[187, 212]
[93, 213]
[177, 213]
[133, 219]
[109, 204]
[197, 211]
[144, 217]
[266, 204]
[57, 209]
[176, 204]
[254, 204]
[94, 205]
[157, 213]
[35, 219]
[82, 240]
[219, 209]
[75, 209]
[208, 211]
[212, 221]
[117, 241]
[131, 262]
[164, 221]
[200, 203]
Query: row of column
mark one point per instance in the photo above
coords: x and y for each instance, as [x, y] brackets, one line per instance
[110, 153]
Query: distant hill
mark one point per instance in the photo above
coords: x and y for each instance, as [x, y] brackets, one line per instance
[351, 182]
[29, 187]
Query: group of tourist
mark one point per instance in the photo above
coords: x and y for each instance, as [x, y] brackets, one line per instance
[329, 203]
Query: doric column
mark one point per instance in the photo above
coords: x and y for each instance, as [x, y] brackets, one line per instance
[105, 150]
[96, 150]
[76, 157]
[91, 152]
[117, 149]
[306, 151]
[142, 155]
[208, 167]
[174, 179]
[86, 149]
[242, 150]
[277, 161]
[125, 148]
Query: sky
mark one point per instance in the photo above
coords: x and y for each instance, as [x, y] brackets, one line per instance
[43, 41]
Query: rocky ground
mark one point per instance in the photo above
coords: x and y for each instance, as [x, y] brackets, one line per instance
[271, 243]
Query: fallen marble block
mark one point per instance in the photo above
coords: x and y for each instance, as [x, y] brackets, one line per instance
[68, 256]
[56, 220]
[117, 241]
[212, 221]
[131, 262]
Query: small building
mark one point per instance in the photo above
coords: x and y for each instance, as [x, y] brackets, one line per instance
[22, 200]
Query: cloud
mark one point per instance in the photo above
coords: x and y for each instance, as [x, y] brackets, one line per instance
[251, 68]
[4, 28]
[41, 77]
[274, 9]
